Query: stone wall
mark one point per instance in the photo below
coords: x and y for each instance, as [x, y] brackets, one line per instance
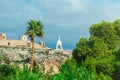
[23, 42]
[19, 43]
[13, 43]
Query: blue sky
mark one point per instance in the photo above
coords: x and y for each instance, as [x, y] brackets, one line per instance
[69, 18]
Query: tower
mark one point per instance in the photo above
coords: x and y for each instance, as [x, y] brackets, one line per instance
[59, 44]
[23, 37]
[3, 36]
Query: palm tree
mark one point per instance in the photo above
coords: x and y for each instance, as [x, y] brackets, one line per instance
[34, 29]
[40, 32]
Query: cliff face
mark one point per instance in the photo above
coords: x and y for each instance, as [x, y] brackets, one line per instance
[49, 60]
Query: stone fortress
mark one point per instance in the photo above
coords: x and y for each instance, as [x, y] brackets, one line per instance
[22, 42]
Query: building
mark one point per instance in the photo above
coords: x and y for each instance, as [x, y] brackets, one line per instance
[24, 38]
[22, 42]
[3, 36]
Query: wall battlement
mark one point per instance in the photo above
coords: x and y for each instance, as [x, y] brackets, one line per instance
[22, 42]
[2, 36]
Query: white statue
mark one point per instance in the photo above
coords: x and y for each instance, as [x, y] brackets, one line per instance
[59, 44]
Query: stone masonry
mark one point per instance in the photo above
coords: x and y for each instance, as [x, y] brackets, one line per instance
[22, 42]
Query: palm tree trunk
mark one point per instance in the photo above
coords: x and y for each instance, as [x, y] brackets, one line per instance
[32, 56]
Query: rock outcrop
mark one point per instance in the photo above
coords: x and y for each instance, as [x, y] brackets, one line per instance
[50, 60]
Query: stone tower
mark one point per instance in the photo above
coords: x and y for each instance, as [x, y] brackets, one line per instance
[59, 44]
[42, 44]
[2, 36]
[24, 38]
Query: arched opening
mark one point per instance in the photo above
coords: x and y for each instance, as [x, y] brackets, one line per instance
[8, 43]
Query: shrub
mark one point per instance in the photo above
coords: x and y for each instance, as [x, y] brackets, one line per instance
[71, 71]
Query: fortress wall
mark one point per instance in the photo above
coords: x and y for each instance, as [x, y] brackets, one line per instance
[37, 46]
[13, 43]
[20, 43]
[4, 42]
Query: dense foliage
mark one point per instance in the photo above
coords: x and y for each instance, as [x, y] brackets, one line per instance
[13, 72]
[71, 71]
[68, 71]
[102, 50]
[3, 59]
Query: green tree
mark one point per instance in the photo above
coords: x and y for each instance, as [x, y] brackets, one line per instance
[106, 31]
[34, 29]
[99, 52]
[3, 58]
[8, 71]
[82, 49]
[116, 24]
[116, 73]
[40, 31]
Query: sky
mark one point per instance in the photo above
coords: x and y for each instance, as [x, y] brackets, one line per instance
[71, 19]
